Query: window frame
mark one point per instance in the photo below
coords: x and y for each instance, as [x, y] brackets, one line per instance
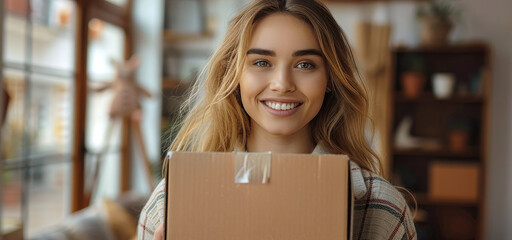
[120, 17]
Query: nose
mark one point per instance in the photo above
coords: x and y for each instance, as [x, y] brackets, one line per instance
[282, 81]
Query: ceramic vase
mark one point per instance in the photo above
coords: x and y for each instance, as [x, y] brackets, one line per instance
[443, 84]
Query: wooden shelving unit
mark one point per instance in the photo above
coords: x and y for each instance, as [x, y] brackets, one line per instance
[443, 217]
[429, 98]
[424, 199]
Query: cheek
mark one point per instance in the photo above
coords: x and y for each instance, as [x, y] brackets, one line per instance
[248, 89]
[315, 89]
[251, 85]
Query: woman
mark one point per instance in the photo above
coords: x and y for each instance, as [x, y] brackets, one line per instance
[284, 80]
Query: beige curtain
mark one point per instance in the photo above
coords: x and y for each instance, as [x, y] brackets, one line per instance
[373, 56]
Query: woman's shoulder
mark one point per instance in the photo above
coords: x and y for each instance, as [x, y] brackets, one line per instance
[380, 210]
[153, 212]
[157, 196]
[370, 185]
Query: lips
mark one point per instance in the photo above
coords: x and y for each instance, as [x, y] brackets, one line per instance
[281, 107]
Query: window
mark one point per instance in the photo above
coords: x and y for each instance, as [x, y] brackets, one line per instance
[38, 74]
[49, 61]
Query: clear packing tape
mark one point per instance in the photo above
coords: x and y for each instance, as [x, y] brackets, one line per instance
[253, 167]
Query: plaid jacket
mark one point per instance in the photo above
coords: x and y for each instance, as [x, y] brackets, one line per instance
[380, 211]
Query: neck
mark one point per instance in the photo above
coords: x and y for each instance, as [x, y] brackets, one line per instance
[262, 141]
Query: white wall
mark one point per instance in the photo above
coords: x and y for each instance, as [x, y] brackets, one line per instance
[148, 25]
[482, 20]
[490, 20]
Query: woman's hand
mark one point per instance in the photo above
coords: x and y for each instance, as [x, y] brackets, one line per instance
[159, 232]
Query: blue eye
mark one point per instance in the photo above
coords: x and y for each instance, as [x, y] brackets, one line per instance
[305, 65]
[261, 63]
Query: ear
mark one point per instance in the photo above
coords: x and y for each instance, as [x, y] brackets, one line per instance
[328, 89]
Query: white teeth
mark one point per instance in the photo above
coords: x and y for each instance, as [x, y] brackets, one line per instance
[281, 106]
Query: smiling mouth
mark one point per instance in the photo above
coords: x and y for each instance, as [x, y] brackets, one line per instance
[281, 106]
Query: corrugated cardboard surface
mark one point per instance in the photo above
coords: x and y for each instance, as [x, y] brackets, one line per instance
[454, 181]
[307, 197]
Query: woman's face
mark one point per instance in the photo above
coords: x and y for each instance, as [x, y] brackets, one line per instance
[284, 79]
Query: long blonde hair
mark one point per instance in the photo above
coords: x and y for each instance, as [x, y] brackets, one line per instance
[216, 121]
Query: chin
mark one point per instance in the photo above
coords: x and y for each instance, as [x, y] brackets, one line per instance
[282, 130]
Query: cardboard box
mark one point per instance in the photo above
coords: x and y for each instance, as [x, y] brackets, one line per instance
[451, 181]
[258, 196]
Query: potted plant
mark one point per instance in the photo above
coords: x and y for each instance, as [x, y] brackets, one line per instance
[412, 76]
[436, 22]
[459, 134]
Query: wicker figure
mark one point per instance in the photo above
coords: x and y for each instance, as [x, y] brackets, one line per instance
[125, 103]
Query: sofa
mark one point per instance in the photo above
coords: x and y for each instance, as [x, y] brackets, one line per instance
[106, 220]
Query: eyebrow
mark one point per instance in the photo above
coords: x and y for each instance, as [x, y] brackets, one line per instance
[299, 53]
[260, 51]
[307, 52]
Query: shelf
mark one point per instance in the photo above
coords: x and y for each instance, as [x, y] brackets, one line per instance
[461, 47]
[424, 199]
[469, 153]
[430, 98]
[170, 36]
[172, 82]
